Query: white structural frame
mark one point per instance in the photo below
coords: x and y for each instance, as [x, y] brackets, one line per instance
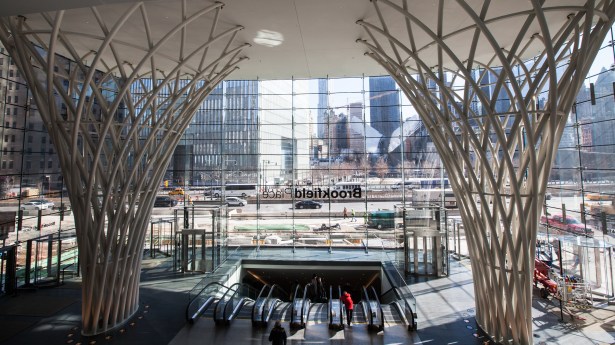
[500, 157]
[117, 133]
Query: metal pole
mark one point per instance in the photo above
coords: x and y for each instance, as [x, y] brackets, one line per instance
[294, 163]
[459, 239]
[49, 254]
[28, 262]
[611, 270]
[151, 240]
[4, 258]
[561, 272]
[405, 239]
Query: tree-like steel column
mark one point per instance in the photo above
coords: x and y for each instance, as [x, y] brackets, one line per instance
[115, 113]
[534, 56]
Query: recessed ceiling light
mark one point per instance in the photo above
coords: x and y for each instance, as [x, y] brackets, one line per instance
[268, 38]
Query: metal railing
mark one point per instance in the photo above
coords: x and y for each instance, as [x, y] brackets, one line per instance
[397, 299]
[372, 308]
[336, 308]
[300, 306]
[266, 302]
[205, 298]
[232, 301]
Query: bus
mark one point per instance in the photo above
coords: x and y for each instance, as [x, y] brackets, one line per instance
[422, 197]
[349, 186]
[422, 183]
[243, 190]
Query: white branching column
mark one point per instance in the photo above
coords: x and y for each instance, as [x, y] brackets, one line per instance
[116, 95]
[494, 93]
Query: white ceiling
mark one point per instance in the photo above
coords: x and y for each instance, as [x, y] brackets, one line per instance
[319, 36]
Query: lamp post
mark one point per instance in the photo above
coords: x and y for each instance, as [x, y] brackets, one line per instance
[48, 182]
[263, 179]
[187, 162]
[224, 170]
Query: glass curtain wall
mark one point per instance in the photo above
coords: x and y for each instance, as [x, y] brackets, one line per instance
[325, 162]
[313, 162]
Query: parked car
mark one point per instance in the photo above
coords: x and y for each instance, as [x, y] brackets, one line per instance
[234, 201]
[165, 201]
[570, 224]
[34, 205]
[49, 203]
[308, 204]
[177, 191]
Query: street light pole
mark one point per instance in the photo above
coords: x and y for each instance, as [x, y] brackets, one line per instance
[48, 181]
[224, 170]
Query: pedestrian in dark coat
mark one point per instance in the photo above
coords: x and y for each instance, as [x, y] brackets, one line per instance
[278, 334]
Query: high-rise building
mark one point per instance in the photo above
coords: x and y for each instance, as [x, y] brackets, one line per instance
[242, 126]
[26, 148]
[323, 106]
[384, 110]
[223, 136]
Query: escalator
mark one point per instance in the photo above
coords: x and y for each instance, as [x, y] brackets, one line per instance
[336, 311]
[300, 306]
[239, 296]
[239, 301]
[318, 313]
[266, 303]
[318, 321]
[397, 309]
[199, 305]
[371, 309]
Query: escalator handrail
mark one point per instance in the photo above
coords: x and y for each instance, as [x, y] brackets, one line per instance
[223, 299]
[242, 301]
[381, 315]
[341, 311]
[410, 307]
[225, 315]
[292, 303]
[330, 305]
[304, 301]
[259, 301]
[365, 303]
[296, 291]
[271, 301]
[400, 309]
[368, 312]
[201, 309]
[276, 288]
[305, 304]
[263, 289]
[410, 316]
[342, 305]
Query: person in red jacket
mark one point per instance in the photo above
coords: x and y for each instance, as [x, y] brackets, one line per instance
[347, 300]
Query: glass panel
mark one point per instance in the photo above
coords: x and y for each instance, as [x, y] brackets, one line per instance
[310, 162]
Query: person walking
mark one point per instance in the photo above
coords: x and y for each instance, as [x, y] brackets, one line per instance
[278, 334]
[354, 219]
[321, 289]
[314, 288]
[347, 300]
[345, 213]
